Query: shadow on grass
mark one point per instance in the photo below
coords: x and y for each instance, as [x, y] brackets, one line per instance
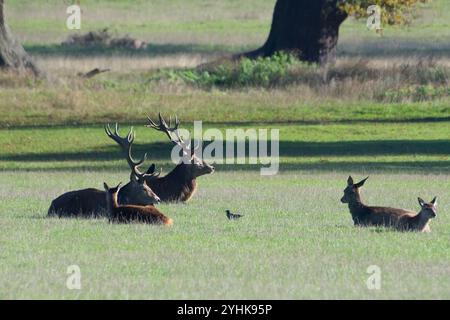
[136, 122]
[388, 48]
[161, 151]
[394, 48]
[345, 167]
[366, 148]
[54, 50]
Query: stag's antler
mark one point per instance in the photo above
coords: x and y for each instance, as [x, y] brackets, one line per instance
[125, 143]
[169, 130]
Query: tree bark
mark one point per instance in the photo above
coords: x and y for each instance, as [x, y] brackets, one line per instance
[12, 54]
[308, 28]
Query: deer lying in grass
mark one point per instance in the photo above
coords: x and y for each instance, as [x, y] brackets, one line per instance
[419, 222]
[131, 213]
[180, 184]
[92, 202]
[400, 219]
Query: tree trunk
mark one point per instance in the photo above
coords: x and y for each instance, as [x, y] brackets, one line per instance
[12, 54]
[309, 28]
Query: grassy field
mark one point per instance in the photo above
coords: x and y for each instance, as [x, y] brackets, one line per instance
[295, 241]
[422, 147]
[286, 247]
[382, 111]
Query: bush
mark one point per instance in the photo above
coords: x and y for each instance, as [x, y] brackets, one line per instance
[260, 72]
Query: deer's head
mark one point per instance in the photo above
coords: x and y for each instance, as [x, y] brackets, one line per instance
[111, 195]
[112, 191]
[428, 209]
[198, 167]
[193, 165]
[351, 192]
[136, 191]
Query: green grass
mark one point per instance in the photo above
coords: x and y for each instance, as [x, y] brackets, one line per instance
[150, 20]
[295, 241]
[109, 99]
[358, 146]
[229, 23]
[285, 247]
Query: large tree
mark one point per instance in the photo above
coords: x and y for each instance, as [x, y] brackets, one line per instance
[310, 28]
[12, 54]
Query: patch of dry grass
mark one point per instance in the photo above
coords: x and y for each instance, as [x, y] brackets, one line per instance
[349, 90]
[348, 80]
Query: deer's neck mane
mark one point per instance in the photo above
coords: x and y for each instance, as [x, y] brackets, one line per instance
[180, 174]
[111, 202]
[357, 208]
[180, 183]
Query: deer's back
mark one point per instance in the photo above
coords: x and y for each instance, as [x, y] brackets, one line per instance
[382, 216]
[79, 203]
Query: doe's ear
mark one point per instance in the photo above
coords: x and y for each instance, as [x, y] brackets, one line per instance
[421, 202]
[361, 183]
[434, 201]
[105, 186]
[350, 181]
[118, 186]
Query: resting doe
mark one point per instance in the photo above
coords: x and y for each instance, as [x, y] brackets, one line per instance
[400, 219]
[132, 213]
[421, 221]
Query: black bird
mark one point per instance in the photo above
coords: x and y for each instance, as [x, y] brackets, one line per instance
[233, 216]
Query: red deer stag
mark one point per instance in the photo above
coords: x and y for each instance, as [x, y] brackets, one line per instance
[132, 193]
[400, 219]
[132, 213]
[180, 184]
[92, 202]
